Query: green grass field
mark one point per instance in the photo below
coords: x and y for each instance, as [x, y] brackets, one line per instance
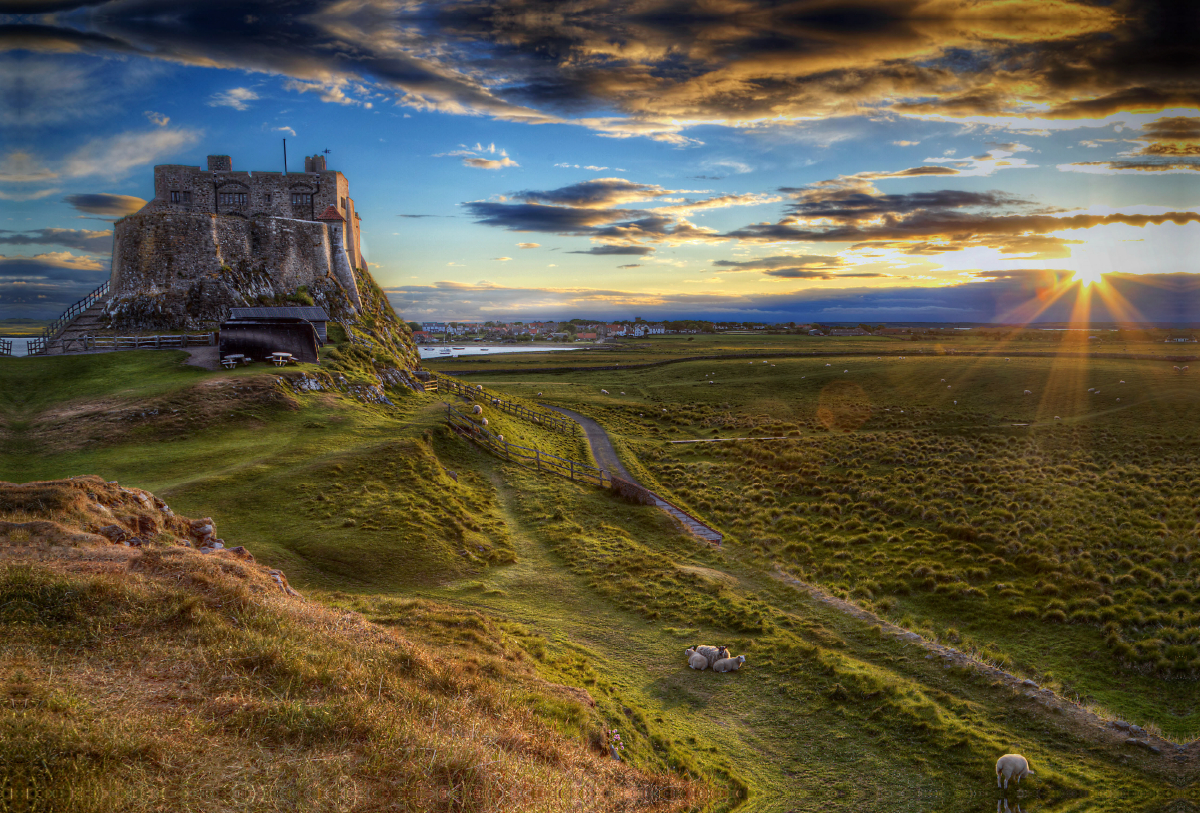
[1059, 549]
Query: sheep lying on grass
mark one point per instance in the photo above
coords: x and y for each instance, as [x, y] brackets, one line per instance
[696, 660]
[712, 654]
[1010, 766]
[729, 664]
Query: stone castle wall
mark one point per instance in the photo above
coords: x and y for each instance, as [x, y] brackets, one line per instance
[183, 270]
[190, 189]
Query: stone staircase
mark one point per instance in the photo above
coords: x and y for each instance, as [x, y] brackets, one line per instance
[89, 323]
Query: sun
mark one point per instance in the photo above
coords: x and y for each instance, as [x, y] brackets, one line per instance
[1087, 277]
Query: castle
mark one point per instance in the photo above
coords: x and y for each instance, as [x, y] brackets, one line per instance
[216, 238]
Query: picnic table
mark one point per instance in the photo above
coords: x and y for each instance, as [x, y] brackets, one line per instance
[280, 359]
[231, 361]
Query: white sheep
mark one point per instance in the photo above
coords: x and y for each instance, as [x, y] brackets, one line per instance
[604, 391]
[500, 438]
[477, 410]
[1012, 766]
[1122, 382]
[712, 653]
[696, 660]
[622, 393]
[1176, 368]
[1091, 389]
[484, 422]
[828, 365]
[729, 664]
[539, 395]
[1059, 419]
[1029, 392]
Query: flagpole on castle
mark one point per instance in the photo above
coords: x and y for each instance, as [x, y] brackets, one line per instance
[285, 156]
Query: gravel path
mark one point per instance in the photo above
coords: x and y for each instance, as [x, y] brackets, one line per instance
[602, 448]
[606, 458]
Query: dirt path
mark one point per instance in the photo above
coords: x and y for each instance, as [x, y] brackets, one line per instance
[1186, 757]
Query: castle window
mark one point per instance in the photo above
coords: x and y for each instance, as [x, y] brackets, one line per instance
[268, 198]
[301, 199]
[233, 199]
[184, 197]
[343, 204]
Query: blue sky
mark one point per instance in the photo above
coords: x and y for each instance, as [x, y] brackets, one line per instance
[886, 162]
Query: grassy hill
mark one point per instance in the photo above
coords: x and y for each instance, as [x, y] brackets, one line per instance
[378, 510]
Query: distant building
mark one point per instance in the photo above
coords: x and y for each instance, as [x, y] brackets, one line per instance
[848, 331]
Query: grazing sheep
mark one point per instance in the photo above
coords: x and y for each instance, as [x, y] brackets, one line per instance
[604, 391]
[1006, 359]
[622, 393]
[943, 381]
[956, 403]
[484, 422]
[696, 660]
[477, 410]
[1059, 419]
[712, 653]
[1029, 392]
[1097, 392]
[729, 664]
[828, 365]
[1011, 766]
[1091, 389]
[1175, 368]
[539, 395]
[845, 371]
[1121, 382]
[500, 438]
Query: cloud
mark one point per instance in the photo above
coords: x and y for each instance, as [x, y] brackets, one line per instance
[80, 239]
[1004, 296]
[44, 285]
[640, 251]
[106, 204]
[285, 129]
[1169, 145]
[626, 69]
[114, 156]
[237, 98]
[906, 143]
[502, 259]
[489, 163]
[22, 167]
[718, 202]
[157, 119]
[630, 265]
[529, 245]
[792, 266]
[595, 194]
[420, 216]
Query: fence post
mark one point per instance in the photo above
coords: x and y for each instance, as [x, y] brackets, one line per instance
[538, 455]
[506, 454]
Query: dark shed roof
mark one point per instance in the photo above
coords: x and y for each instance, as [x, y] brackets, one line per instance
[310, 313]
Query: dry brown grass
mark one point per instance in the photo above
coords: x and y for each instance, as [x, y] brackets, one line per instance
[160, 678]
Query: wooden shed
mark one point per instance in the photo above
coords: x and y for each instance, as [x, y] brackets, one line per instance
[317, 316]
[257, 339]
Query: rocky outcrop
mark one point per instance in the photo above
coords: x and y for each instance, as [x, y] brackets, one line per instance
[184, 271]
[67, 518]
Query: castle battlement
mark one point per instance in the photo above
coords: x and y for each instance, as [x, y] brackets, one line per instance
[222, 190]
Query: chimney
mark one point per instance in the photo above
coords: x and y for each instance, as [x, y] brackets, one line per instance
[220, 163]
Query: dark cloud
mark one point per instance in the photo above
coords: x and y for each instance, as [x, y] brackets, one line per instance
[537, 217]
[598, 193]
[102, 203]
[640, 251]
[999, 296]
[80, 239]
[630, 265]
[799, 273]
[1170, 144]
[627, 67]
[418, 216]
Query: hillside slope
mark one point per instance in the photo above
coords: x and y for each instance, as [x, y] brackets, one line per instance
[145, 669]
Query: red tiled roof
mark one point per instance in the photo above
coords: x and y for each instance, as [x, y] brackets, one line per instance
[330, 213]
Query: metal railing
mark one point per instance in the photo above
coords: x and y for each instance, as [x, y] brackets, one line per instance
[541, 417]
[68, 316]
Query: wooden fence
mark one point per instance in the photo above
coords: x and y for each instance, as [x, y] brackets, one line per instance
[81, 343]
[468, 426]
[5, 347]
[475, 392]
